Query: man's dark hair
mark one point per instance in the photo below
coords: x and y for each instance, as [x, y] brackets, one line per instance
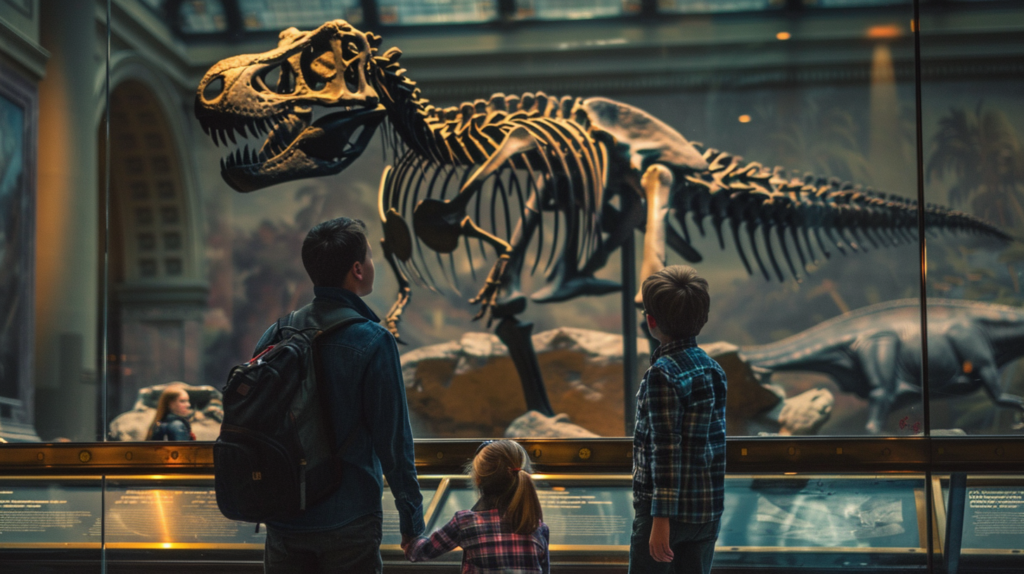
[331, 249]
[678, 300]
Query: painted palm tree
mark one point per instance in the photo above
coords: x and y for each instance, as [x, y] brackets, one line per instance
[822, 141]
[982, 151]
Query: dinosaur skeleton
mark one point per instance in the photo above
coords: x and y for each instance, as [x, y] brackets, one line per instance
[597, 168]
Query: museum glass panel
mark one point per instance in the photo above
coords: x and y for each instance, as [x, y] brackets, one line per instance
[815, 265]
[804, 259]
[972, 128]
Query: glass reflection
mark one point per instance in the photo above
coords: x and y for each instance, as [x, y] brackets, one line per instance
[198, 271]
[972, 130]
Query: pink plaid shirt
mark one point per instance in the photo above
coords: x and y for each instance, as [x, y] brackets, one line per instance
[488, 545]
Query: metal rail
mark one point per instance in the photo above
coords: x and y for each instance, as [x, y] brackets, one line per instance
[447, 456]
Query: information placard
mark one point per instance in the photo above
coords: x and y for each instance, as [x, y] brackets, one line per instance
[827, 513]
[177, 514]
[994, 518]
[50, 513]
[579, 515]
[391, 532]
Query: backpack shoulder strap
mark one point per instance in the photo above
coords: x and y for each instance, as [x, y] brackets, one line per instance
[331, 322]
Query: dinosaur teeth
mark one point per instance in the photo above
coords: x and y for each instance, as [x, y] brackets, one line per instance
[231, 135]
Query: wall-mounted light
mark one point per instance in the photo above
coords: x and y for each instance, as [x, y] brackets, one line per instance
[783, 36]
[744, 119]
[884, 31]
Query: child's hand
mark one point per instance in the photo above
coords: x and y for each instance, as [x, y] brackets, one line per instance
[660, 549]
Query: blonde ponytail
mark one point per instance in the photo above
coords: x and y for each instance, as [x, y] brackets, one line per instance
[524, 512]
[501, 471]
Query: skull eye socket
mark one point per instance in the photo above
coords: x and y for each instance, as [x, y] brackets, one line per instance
[279, 79]
[213, 88]
[318, 65]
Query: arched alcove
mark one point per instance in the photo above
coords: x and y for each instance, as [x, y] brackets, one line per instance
[156, 288]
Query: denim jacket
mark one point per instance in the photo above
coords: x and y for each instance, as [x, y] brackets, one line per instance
[368, 408]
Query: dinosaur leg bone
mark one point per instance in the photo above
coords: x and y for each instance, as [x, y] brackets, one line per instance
[657, 182]
[516, 337]
[878, 356]
[979, 362]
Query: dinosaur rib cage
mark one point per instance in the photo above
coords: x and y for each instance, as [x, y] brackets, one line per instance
[753, 197]
[534, 185]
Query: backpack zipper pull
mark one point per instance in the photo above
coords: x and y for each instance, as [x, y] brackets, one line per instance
[302, 484]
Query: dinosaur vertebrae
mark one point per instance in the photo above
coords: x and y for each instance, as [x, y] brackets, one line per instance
[757, 197]
[469, 133]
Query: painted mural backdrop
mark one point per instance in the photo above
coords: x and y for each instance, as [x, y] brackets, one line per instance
[12, 245]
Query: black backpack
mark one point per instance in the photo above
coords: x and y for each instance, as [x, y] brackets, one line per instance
[275, 455]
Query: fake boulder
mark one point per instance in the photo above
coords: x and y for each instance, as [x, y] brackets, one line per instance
[470, 388]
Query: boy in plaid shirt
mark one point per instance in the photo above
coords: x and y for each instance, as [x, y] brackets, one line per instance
[679, 442]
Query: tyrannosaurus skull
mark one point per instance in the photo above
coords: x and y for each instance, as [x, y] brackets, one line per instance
[276, 96]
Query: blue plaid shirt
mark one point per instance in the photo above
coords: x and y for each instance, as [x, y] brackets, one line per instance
[679, 442]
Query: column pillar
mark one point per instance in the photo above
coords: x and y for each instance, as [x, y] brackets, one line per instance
[67, 224]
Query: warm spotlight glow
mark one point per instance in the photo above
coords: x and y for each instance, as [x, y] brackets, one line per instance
[913, 26]
[883, 31]
[744, 119]
[783, 36]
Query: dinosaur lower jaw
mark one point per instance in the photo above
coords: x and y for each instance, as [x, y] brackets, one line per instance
[294, 150]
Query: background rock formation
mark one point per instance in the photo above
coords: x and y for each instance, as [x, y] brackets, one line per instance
[470, 388]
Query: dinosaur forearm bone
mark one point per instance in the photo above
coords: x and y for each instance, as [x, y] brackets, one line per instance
[657, 182]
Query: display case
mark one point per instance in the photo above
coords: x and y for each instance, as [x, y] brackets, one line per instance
[851, 505]
[858, 219]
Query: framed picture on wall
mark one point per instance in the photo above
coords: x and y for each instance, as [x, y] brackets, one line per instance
[18, 122]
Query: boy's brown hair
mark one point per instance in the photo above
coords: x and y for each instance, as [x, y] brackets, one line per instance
[678, 300]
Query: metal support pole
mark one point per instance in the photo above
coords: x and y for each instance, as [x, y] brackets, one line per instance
[955, 521]
[629, 328]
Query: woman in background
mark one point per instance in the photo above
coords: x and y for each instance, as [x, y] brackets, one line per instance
[172, 413]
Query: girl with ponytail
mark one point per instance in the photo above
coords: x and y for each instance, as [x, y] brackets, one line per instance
[504, 531]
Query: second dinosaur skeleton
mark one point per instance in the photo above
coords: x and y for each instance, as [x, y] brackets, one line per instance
[875, 352]
[599, 169]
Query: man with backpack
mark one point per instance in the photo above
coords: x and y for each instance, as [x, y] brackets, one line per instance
[363, 395]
